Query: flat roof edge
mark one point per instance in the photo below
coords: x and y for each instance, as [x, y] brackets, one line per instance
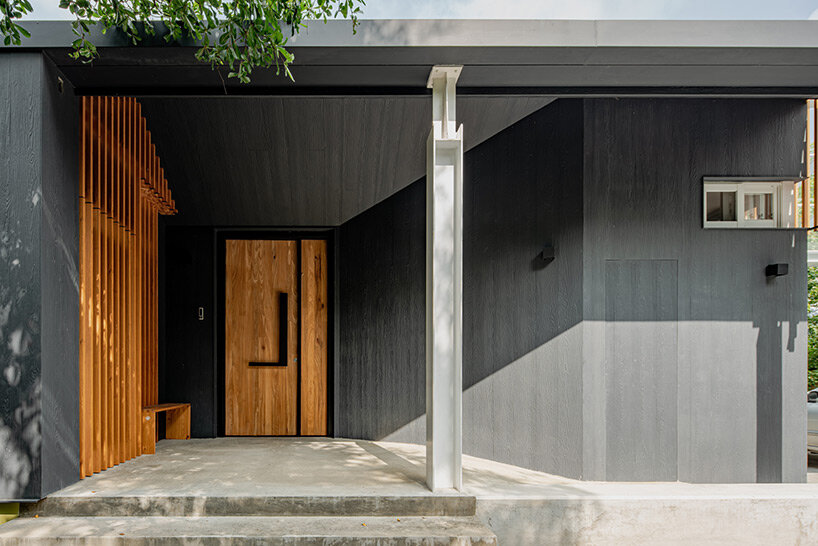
[410, 33]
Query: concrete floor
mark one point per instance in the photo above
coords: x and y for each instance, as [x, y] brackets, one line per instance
[338, 467]
[293, 467]
[521, 506]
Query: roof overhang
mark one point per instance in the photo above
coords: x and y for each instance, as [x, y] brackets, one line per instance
[559, 58]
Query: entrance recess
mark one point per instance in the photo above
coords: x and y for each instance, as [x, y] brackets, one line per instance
[275, 337]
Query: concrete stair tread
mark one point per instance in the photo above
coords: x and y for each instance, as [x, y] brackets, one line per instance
[215, 505]
[249, 529]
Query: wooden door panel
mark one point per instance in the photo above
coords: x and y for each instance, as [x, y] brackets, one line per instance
[260, 400]
[314, 273]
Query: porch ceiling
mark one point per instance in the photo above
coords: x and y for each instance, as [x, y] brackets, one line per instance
[303, 161]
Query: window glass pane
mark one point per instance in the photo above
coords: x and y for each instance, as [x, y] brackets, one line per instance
[758, 206]
[721, 206]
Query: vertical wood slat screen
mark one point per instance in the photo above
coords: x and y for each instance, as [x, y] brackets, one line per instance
[122, 193]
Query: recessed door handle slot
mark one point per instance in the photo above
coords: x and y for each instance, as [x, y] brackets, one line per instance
[282, 334]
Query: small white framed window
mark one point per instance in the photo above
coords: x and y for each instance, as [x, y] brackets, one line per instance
[749, 203]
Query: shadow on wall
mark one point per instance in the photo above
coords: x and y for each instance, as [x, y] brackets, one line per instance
[20, 386]
[517, 308]
[539, 342]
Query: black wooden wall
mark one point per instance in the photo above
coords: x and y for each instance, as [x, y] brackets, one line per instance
[380, 378]
[648, 349]
[186, 371]
[522, 192]
[39, 300]
[727, 404]
[59, 252]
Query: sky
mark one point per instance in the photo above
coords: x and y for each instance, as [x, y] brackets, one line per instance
[555, 9]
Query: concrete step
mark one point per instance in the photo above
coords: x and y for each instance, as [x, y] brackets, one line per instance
[187, 506]
[212, 531]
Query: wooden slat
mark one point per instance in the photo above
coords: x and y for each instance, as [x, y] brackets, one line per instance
[118, 279]
[122, 234]
[115, 324]
[99, 392]
[137, 252]
[314, 315]
[168, 406]
[83, 292]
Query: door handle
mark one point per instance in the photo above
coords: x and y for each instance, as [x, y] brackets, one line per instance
[282, 334]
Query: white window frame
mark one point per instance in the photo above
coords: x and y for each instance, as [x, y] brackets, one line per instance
[757, 187]
[721, 187]
[782, 189]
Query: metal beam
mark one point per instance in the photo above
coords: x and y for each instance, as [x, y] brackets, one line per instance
[444, 285]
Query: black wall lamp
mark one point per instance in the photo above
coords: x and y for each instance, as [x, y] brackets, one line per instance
[548, 254]
[777, 270]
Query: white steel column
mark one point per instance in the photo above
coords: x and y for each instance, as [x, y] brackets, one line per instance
[444, 284]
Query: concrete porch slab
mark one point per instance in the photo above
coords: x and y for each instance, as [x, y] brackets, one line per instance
[332, 477]
[293, 467]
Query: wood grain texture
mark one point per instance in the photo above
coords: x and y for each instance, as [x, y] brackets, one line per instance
[187, 368]
[59, 252]
[121, 197]
[320, 172]
[314, 316]
[641, 369]
[259, 400]
[739, 399]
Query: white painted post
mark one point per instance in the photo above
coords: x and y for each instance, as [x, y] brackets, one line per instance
[444, 285]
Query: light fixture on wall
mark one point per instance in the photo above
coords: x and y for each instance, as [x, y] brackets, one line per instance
[547, 254]
[777, 270]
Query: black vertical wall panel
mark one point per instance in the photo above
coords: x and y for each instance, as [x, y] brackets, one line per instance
[39, 304]
[380, 381]
[742, 338]
[60, 282]
[599, 180]
[641, 360]
[522, 400]
[20, 265]
[187, 373]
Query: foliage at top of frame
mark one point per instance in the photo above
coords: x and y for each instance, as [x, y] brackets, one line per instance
[238, 34]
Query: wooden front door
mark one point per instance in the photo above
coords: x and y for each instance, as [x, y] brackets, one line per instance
[269, 389]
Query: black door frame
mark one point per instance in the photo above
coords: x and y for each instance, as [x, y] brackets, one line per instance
[220, 235]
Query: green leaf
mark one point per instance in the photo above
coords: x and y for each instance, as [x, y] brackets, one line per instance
[247, 33]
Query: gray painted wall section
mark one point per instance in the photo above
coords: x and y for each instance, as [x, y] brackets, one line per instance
[741, 338]
[38, 290]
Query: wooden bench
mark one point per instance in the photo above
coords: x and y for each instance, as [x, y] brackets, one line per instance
[177, 424]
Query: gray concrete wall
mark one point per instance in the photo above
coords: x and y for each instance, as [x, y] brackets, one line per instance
[39, 306]
[717, 395]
